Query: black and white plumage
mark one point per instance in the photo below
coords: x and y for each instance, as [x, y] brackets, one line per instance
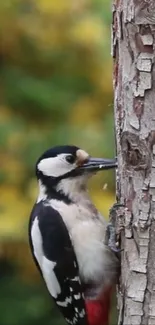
[67, 232]
[54, 255]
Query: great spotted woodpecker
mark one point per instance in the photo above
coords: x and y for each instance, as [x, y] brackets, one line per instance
[67, 236]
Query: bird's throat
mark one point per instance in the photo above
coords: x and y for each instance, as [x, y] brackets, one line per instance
[69, 190]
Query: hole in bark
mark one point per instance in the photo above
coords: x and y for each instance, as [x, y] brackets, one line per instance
[134, 155]
[137, 152]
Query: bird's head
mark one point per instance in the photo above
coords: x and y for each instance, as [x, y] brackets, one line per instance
[68, 167]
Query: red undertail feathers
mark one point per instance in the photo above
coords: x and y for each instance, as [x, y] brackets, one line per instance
[98, 310]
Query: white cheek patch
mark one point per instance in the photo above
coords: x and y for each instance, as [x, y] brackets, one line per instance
[55, 166]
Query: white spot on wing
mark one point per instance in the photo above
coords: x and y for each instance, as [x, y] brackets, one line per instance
[76, 278]
[37, 241]
[46, 265]
[75, 320]
[50, 277]
[69, 321]
[82, 314]
[65, 303]
[78, 296]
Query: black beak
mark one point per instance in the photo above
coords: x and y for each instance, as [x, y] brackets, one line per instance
[96, 164]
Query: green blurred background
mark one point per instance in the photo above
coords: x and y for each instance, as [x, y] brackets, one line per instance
[55, 88]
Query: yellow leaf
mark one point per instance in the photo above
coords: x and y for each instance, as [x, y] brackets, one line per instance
[13, 168]
[15, 211]
[85, 111]
[89, 31]
[56, 7]
[103, 200]
[6, 114]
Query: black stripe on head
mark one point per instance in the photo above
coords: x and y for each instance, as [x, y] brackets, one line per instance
[55, 151]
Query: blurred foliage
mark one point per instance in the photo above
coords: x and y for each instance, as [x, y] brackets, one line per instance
[55, 88]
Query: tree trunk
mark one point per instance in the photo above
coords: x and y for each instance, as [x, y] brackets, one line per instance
[134, 84]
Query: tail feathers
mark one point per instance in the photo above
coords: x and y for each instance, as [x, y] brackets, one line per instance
[98, 310]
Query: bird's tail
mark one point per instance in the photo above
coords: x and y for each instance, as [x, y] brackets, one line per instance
[98, 310]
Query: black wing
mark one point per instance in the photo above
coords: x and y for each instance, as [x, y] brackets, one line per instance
[54, 255]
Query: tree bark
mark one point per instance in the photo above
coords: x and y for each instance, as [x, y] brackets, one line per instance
[133, 31]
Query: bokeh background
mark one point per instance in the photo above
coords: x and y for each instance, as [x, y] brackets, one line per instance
[55, 88]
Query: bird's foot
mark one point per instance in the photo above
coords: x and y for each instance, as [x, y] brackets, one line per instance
[115, 227]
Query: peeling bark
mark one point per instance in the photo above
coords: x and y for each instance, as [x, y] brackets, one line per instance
[133, 51]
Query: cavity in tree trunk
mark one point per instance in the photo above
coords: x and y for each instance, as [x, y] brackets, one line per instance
[134, 84]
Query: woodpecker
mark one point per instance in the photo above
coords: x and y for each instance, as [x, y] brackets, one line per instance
[67, 236]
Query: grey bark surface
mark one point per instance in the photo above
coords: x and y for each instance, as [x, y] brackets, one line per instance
[133, 48]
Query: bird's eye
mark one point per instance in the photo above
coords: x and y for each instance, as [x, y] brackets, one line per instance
[70, 159]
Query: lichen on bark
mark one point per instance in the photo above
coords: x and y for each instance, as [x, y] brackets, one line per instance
[133, 50]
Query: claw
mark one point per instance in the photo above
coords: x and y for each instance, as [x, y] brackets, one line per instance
[115, 208]
[114, 229]
[111, 239]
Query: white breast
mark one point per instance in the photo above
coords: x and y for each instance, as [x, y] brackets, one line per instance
[87, 232]
[87, 237]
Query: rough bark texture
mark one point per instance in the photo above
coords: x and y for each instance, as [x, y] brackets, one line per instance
[134, 82]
